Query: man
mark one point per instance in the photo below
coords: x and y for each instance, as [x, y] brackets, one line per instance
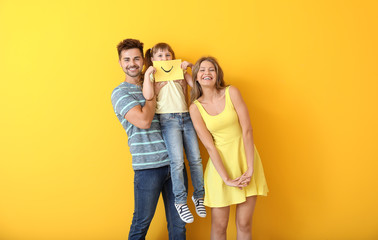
[149, 156]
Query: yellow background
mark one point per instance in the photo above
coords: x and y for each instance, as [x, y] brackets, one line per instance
[307, 70]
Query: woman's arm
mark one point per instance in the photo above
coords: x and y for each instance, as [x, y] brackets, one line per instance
[148, 85]
[245, 123]
[207, 140]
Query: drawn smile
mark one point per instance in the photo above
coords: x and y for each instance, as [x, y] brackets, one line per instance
[167, 71]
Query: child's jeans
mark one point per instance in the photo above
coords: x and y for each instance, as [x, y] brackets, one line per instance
[178, 132]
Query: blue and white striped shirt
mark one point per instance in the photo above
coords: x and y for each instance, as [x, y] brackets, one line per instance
[146, 145]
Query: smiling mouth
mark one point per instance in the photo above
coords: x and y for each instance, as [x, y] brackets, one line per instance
[167, 71]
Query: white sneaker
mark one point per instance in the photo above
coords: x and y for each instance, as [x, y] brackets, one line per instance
[200, 208]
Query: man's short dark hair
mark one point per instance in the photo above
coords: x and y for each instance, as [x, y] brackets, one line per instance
[129, 44]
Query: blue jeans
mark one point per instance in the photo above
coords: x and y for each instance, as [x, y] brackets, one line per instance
[148, 184]
[178, 132]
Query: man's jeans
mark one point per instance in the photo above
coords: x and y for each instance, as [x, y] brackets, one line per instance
[148, 184]
[178, 132]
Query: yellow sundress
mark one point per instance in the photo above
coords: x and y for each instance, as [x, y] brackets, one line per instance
[228, 140]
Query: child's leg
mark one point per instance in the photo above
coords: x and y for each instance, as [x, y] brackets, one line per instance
[193, 155]
[172, 134]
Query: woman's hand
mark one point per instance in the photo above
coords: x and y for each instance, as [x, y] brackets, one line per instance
[159, 86]
[246, 177]
[241, 181]
[237, 182]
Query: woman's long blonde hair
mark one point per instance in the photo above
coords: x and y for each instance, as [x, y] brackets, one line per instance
[196, 91]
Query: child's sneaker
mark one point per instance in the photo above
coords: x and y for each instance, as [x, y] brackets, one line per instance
[184, 213]
[200, 208]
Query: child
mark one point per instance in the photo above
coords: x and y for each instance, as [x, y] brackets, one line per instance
[178, 131]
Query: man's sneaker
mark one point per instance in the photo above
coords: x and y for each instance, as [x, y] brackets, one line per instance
[184, 213]
[200, 208]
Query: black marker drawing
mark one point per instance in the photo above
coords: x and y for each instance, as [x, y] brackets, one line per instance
[168, 70]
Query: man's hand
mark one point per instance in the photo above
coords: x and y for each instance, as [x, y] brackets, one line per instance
[159, 86]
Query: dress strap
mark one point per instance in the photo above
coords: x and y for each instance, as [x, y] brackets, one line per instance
[199, 106]
[228, 98]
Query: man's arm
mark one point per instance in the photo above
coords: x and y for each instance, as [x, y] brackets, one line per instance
[141, 117]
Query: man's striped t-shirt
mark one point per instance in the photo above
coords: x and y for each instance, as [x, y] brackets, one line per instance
[146, 145]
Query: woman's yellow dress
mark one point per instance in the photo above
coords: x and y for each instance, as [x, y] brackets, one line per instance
[228, 140]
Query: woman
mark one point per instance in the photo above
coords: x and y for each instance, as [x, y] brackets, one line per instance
[234, 174]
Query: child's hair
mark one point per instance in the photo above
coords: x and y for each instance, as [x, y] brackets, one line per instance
[196, 91]
[129, 44]
[150, 53]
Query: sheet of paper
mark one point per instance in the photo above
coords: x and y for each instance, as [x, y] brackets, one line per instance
[168, 70]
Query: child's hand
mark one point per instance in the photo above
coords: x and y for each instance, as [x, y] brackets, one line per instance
[149, 71]
[185, 65]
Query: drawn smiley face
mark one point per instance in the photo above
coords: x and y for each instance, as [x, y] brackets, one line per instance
[167, 71]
